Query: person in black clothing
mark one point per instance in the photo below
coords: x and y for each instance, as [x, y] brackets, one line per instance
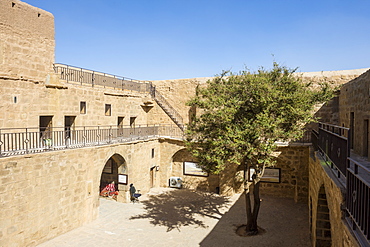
[132, 192]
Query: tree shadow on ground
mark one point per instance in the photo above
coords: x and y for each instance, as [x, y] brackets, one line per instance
[284, 222]
[178, 208]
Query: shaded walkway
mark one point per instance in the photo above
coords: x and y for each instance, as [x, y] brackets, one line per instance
[185, 218]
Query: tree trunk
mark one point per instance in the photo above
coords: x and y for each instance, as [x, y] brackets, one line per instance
[252, 214]
[256, 206]
[248, 209]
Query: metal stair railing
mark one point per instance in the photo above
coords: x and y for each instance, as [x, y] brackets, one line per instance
[170, 111]
[93, 78]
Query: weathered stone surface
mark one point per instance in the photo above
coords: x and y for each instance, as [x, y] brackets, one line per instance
[44, 195]
[323, 179]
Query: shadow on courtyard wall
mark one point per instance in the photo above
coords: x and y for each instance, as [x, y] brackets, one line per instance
[178, 208]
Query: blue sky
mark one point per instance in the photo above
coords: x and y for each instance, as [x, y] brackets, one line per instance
[174, 39]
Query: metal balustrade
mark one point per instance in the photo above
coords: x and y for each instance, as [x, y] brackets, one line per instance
[358, 200]
[34, 140]
[162, 102]
[94, 78]
[333, 143]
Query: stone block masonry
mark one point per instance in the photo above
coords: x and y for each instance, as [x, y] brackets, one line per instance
[325, 204]
[47, 194]
[293, 165]
[26, 41]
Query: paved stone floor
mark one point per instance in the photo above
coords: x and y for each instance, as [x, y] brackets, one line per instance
[188, 218]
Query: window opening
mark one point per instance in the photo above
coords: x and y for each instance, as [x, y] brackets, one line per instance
[120, 122]
[82, 107]
[46, 127]
[132, 122]
[69, 122]
[108, 109]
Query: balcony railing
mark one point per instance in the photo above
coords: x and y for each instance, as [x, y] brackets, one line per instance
[333, 143]
[92, 78]
[34, 140]
[358, 200]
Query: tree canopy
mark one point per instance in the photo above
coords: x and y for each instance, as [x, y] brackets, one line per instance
[242, 116]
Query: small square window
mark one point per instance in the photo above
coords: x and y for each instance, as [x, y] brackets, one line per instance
[82, 107]
[108, 109]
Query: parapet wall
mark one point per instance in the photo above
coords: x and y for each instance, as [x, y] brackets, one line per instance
[21, 106]
[26, 41]
[179, 91]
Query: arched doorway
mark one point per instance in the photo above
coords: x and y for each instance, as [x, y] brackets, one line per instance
[323, 226]
[182, 165]
[113, 170]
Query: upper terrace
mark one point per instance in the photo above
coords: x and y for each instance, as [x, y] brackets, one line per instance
[86, 77]
[353, 173]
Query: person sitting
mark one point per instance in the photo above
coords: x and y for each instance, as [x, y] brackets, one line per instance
[132, 193]
[109, 190]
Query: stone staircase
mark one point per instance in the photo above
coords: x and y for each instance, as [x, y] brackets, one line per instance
[167, 108]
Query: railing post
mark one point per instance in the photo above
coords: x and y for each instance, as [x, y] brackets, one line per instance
[84, 136]
[26, 140]
[81, 77]
[93, 79]
[110, 134]
[67, 74]
[98, 135]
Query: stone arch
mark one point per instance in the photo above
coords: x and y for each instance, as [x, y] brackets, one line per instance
[205, 183]
[114, 165]
[323, 225]
[177, 162]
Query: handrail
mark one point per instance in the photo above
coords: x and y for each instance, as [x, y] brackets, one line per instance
[89, 77]
[358, 200]
[171, 112]
[20, 141]
[93, 78]
[333, 143]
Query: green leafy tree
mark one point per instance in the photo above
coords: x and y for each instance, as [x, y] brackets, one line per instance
[242, 118]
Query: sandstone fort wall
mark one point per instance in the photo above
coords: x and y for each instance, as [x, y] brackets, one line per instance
[354, 112]
[44, 195]
[26, 41]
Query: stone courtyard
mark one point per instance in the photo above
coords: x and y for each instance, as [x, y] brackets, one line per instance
[171, 217]
[57, 153]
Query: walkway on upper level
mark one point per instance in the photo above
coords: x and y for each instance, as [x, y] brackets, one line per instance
[352, 171]
[86, 77]
[34, 140]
